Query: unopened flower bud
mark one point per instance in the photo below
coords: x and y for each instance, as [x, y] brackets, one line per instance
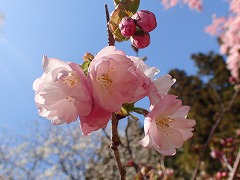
[232, 80]
[141, 40]
[224, 174]
[145, 20]
[127, 26]
[160, 173]
[88, 56]
[169, 171]
[215, 154]
[218, 176]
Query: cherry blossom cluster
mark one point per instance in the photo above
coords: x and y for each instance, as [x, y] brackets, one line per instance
[193, 4]
[224, 150]
[227, 29]
[150, 172]
[138, 27]
[111, 82]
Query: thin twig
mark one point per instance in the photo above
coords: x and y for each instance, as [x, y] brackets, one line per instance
[106, 134]
[218, 98]
[235, 167]
[111, 40]
[163, 166]
[114, 146]
[226, 162]
[217, 122]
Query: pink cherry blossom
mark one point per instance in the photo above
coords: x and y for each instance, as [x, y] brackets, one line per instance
[140, 40]
[115, 79]
[98, 118]
[146, 20]
[157, 87]
[127, 26]
[61, 93]
[166, 126]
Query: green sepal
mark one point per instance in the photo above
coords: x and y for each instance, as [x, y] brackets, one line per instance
[115, 19]
[118, 36]
[85, 66]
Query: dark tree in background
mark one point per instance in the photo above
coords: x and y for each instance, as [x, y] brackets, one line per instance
[206, 93]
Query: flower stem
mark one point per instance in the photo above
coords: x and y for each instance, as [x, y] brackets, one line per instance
[114, 146]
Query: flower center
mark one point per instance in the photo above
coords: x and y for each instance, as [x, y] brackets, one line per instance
[71, 80]
[105, 80]
[163, 121]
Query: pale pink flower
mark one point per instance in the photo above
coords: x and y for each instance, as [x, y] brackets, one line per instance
[140, 40]
[115, 79]
[157, 87]
[127, 26]
[145, 19]
[61, 93]
[166, 126]
[98, 118]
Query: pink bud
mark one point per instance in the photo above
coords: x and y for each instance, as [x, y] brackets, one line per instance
[224, 174]
[160, 173]
[127, 26]
[169, 171]
[232, 80]
[216, 154]
[145, 20]
[141, 40]
[218, 176]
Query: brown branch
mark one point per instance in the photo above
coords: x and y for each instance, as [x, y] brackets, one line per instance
[111, 40]
[114, 146]
[217, 122]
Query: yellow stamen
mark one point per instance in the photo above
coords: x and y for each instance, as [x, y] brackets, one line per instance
[163, 121]
[105, 80]
[71, 80]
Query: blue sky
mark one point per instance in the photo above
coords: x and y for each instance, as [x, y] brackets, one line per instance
[67, 29]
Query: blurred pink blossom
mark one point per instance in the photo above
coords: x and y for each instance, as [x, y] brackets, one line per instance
[193, 4]
[227, 30]
[166, 126]
[61, 94]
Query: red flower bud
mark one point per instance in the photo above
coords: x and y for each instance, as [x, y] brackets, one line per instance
[127, 26]
[145, 20]
[141, 40]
